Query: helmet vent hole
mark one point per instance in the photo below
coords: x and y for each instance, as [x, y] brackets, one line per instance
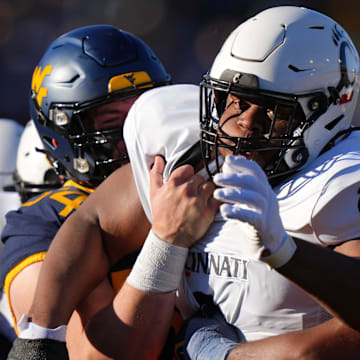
[296, 69]
[333, 123]
[77, 76]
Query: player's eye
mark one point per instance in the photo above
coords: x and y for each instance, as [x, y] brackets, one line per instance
[281, 113]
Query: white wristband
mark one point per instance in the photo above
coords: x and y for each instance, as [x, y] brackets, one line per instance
[283, 254]
[159, 266]
[30, 330]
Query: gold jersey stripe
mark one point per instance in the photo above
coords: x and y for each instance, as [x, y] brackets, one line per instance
[15, 271]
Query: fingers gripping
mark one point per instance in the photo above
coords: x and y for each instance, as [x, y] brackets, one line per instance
[255, 198]
[178, 177]
[246, 191]
[246, 215]
[182, 207]
[246, 181]
[243, 181]
[241, 165]
[156, 175]
[206, 190]
[248, 197]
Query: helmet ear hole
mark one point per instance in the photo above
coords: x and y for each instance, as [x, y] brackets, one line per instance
[300, 156]
[318, 104]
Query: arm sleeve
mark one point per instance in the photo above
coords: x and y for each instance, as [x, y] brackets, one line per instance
[336, 215]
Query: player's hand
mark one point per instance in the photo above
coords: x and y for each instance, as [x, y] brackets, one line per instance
[182, 208]
[248, 196]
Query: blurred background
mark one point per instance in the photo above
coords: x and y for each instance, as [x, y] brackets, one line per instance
[186, 35]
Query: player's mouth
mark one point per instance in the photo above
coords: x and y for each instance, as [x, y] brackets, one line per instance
[250, 155]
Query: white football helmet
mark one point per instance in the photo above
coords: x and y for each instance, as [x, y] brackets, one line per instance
[34, 173]
[10, 133]
[285, 56]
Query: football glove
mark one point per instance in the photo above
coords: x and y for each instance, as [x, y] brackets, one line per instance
[248, 197]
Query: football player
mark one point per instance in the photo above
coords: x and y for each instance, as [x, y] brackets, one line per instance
[251, 112]
[281, 117]
[33, 174]
[81, 92]
[278, 105]
[110, 224]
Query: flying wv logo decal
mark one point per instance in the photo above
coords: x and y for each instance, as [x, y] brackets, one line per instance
[131, 78]
[37, 80]
[130, 81]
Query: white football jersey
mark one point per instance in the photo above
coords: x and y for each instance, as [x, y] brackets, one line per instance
[319, 204]
[162, 121]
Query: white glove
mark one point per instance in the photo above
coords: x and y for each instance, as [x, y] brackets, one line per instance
[248, 196]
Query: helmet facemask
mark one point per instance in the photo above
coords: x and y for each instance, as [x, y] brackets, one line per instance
[98, 151]
[97, 148]
[269, 143]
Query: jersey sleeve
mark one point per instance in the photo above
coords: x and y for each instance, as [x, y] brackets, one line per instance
[30, 230]
[336, 215]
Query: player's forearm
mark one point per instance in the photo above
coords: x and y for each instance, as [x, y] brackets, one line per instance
[331, 341]
[78, 344]
[141, 312]
[312, 268]
[136, 325]
[68, 273]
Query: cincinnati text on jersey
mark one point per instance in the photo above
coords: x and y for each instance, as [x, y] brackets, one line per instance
[217, 264]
